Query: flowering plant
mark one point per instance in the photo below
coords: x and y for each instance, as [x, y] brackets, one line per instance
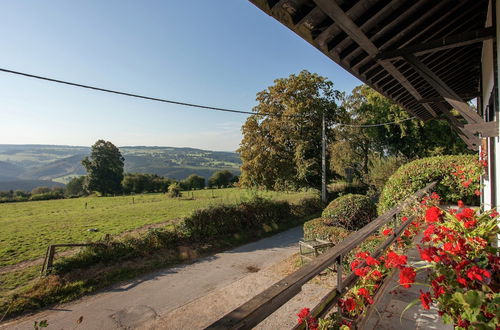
[457, 246]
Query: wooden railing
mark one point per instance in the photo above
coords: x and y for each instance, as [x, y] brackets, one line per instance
[48, 262]
[264, 304]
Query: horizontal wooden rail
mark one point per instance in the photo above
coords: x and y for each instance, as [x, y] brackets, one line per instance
[261, 306]
[51, 252]
[328, 301]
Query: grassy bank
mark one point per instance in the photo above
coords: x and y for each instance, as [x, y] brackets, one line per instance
[27, 228]
[125, 258]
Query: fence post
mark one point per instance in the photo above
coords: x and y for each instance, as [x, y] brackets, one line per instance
[50, 258]
[338, 263]
[395, 223]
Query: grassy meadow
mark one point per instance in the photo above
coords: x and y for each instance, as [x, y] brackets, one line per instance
[29, 227]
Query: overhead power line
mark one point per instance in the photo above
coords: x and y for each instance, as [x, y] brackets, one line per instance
[172, 101]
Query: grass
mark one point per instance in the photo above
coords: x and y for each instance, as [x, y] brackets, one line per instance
[28, 227]
[130, 256]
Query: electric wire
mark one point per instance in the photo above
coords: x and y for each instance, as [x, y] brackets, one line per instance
[200, 106]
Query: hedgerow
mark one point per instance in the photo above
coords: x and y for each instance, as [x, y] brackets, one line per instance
[256, 216]
[457, 176]
[351, 212]
[317, 229]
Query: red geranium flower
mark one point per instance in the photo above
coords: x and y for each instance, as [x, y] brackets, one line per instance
[433, 214]
[366, 294]
[460, 204]
[407, 276]
[376, 274]
[355, 263]
[387, 232]
[370, 261]
[461, 280]
[395, 260]
[304, 312]
[349, 304]
[361, 271]
[438, 289]
[404, 219]
[425, 298]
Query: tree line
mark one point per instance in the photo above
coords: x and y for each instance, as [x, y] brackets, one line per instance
[281, 145]
[105, 175]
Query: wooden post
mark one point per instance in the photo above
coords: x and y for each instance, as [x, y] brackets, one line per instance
[338, 263]
[395, 223]
[323, 158]
[50, 258]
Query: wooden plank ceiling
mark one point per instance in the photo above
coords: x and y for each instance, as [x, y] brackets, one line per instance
[405, 49]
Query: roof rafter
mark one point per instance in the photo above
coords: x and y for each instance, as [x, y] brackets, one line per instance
[332, 9]
[458, 40]
[443, 89]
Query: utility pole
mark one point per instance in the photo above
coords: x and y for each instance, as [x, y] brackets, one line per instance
[323, 158]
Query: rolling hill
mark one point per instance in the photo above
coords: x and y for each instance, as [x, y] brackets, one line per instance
[22, 164]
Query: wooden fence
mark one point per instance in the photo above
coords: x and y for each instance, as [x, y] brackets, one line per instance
[48, 262]
[264, 304]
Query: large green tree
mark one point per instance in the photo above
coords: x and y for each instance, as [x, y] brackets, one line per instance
[193, 181]
[221, 178]
[104, 168]
[408, 138]
[281, 146]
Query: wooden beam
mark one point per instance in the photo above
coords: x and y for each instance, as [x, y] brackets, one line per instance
[468, 137]
[446, 92]
[459, 40]
[440, 99]
[332, 9]
[486, 129]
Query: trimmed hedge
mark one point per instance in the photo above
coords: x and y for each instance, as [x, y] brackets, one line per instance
[351, 212]
[317, 229]
[253, 217]
[451, 172]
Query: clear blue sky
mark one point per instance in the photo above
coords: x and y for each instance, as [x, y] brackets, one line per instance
[214, 52]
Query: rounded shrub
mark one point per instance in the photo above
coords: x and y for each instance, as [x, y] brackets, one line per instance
[457, 176]
[350, 211]
[318, 229]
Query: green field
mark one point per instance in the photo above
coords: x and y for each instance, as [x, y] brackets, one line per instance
[28, 227]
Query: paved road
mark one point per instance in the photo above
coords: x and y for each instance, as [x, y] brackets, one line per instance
[132, 304]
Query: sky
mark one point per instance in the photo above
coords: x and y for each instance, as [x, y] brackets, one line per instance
[217, 53]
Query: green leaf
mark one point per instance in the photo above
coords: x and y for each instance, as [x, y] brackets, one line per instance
[474, 298]
[410, 305]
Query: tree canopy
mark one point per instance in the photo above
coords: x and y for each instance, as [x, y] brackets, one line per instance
[409, 138]
[281, 146]
[221, 179]
[104, 168]
[193, 181]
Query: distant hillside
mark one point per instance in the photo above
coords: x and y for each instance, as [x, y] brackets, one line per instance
[27, 185]
[61, 163]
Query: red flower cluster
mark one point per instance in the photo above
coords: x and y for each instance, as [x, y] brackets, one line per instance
[433, 214]
[305, 315]
[394, 260]
[425, 298]
[365, 294]
[348, 304]
[407, 276]
[388, 232]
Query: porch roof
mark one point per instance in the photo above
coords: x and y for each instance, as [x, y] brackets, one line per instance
[422, 54]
